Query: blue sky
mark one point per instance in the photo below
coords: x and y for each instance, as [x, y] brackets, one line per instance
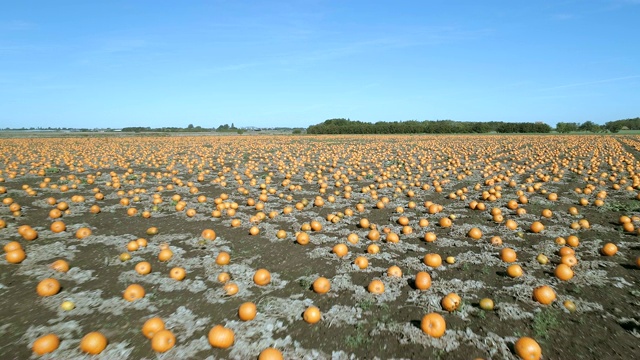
[298, 63]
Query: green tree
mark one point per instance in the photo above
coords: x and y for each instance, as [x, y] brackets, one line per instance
[589, 126]
[564, 128]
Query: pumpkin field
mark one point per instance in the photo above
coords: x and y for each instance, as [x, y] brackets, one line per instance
[320, 247]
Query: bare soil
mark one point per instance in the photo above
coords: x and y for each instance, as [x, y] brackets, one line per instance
[355, 323]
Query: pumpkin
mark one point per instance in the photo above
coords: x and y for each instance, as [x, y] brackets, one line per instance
[93, 343]
[573, 241]
[223, 277]
[162, 341]
[527, 349]
[486, 304]
[58, 226]
[48, 287]
[262, 277]
[270, 354]
[12, 245]
[432, 260]
[311, 315]
[59, 265]
[430, 237]
[340, 250]
[376, 287]
[609, 249]
[46, 344]
[165, 255]
[302, 238]
[321, 285]
[152, 326]
[508, 255]
[433, 324]
[133, 292]
[422, 280]
[514, 271]
[83, 232]
[536, 227]
[475, 233]
[394, 271]
[569, 260]
[143, 268]
[563, 272]
[445, 222]
[373, 249]
[361, 262]
[544, 295]
[177, 273]
[208, 234]
[230, 288]
[392, 238]
[373, 235]
[247, 311]
[223, 258]
[451, 302]
[15, 256]
[221, 337]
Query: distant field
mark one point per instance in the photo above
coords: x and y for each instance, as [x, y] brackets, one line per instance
[355, 211]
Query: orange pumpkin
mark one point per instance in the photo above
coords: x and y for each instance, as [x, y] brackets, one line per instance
[230, 288]
[394, 271]
[58, 226]
[223, 258]
[178, 273]
[133, 292]
[302, 238]
[609, 249]
[433, 260]
[508, 255]
[83, 232]
[475, 233]
[60, 265]
[537, 227]
[208, 234]
[221, 337]
[143, 268]
[451, 302]
[528, 349]
[376, 287]
[321, 285]
[46, 344]
[247, 311]
[361, 262]
[152, 326]
[423, 280]
[433, 324]
[93, 343]
[544, 295]
[311, 315]
[563, 272]
[12, 245]
[514, 270]
[262, 277]
[48, 287]
[270, 354]
[15, 256]
[340, 250]
[373, 249]
[162, 341]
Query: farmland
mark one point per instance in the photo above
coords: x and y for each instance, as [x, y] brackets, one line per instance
[220, 209]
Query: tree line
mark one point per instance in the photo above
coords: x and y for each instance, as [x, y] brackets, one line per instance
[346, 126]
[189, 128]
